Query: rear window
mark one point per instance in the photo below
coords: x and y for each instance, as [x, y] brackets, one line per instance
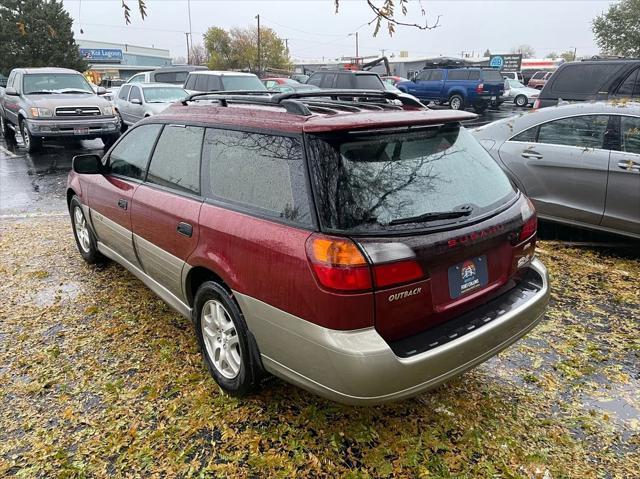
[369, 82]
[177, 78]
[242, 83]
[492, 75]
[583, 78]
[363, 184]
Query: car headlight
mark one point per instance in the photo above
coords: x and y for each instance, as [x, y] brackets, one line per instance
[38, 112]
[107, 110]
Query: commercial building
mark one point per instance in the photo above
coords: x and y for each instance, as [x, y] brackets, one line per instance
[116, 60]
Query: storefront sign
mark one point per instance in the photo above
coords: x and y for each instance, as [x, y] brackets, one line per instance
[506, 63]
[101, 54]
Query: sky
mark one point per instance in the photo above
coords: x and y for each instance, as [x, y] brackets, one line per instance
[315, 31]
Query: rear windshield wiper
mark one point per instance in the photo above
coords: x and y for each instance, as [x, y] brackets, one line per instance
[42, 92]
[459, 212]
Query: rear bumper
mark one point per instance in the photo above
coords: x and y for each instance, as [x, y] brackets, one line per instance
[359, 367]
[56, 128]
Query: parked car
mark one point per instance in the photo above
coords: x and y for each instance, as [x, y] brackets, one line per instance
[54, 102]
[393, 80]
[206, 81]
[346, 80]
[519, 94]
[592, 80]
[579, 163]
[300, 78]
[176, 75]
[292, 87]
[389, 87]
[513, 76]
[112, 82]
[460, 87]
[269, 83]
[539, 79]
[141, 100]
[363, 253]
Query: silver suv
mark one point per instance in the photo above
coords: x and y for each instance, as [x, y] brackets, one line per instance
[55, 102]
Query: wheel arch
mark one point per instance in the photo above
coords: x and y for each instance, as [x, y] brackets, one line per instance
[196, 277]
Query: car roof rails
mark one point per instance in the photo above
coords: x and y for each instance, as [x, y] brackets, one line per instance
[304, 103]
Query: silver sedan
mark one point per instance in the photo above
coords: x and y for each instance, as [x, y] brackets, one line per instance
[518, 93]
[136, 101]
[579, 163]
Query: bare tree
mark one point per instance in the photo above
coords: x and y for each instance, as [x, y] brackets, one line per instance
[198, 55]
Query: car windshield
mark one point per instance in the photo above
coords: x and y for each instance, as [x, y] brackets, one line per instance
[371, 183]
[164, 94]
[515, 84]
[242, 83]
[55, 83]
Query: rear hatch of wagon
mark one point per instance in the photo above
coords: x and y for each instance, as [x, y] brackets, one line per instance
[439, 223]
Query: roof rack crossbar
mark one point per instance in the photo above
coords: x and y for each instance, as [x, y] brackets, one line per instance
[336, 94]
[224, 93]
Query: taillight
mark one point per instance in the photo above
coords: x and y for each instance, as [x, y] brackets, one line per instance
[530, 218]
[338, 263]
[480, 88]
[397, 273]
[536, 104]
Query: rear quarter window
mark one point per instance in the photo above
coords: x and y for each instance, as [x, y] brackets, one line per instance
[583, 78]
[369, 82]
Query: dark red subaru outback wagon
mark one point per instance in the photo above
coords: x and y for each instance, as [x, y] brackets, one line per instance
[353, 243]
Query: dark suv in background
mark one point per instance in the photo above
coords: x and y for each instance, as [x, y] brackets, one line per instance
[361, 250]
[346, 80]
[592, 80]
[460, 87]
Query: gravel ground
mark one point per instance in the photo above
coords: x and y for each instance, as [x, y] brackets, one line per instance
[99, 378]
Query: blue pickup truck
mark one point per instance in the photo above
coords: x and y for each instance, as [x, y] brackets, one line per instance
[460, 87]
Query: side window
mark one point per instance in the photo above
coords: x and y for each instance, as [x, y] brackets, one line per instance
[458, 75]
[315, 79]
[176, 159]
[436, 75]
[201, 83]
[580, 131]
[190, 84]
[474, 75]
[135, 94]
[270, 84]
[327, 81]
[139, 78]
[527, 136]
[213, 83]
[262, 173]
[130, 156]
[424, 75]
[632, 82]
[124, 92]
[630, 128]
[344, 81]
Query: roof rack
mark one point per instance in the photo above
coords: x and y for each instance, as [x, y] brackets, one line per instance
[322, 101]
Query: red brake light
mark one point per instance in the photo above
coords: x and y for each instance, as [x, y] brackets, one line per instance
[530, 221]
[397, 273]
[536, 104]
[338, 263]
[480, 88]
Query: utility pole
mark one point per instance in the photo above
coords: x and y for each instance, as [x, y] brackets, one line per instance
[356, 35]
[575, 50]
[190, 32]
[286, 45]
[186, 34]
[258, 18]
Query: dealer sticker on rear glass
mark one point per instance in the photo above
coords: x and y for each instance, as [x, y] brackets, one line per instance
[468, 276]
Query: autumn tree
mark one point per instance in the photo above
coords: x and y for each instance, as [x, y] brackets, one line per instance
[237, 49]
[37, 33]
[617, 30]
[197, 55]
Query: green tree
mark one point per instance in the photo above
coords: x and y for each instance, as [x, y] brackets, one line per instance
[37, 33]
[237, 49]
[568, 55]
[617, 31]
[552, 55]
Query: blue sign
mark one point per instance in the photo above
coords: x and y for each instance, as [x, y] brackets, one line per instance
[496, 62]
[101, 54]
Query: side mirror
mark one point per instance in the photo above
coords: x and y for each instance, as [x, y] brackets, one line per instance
[11, 91]
[136, 101]
[87, 164]
[101, 90]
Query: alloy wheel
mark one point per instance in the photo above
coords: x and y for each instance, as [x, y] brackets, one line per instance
[221, 339]
[82, 231]
[26, 139]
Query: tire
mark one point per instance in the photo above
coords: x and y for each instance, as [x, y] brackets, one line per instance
[123, 125]
[480, 107]
[7, 132]
[109, 140]
[31, 143]
[456, 102]
[85, 240]
[521, 101]
[223, 334]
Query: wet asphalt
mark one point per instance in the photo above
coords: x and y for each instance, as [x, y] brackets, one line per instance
[34, 184]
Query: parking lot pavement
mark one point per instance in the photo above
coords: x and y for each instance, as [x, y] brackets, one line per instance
[98, 377]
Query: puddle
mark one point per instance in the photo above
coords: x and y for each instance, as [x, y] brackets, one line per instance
[48, 296]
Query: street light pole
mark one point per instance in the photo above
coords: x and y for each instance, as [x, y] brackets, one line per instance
[258, 18]
[186, 34]
[190, 32]
[356, 35]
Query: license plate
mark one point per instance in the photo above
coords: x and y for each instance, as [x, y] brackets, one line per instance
[470, 275]
[493, 98]
[81, 131]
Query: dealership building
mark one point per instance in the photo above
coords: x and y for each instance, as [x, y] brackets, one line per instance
[116, 60]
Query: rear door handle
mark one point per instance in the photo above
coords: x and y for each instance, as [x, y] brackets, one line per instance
[629, 165]
[124, 204]
[531, 154]
[185, 229]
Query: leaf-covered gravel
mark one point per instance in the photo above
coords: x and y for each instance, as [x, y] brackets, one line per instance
[99, 378]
